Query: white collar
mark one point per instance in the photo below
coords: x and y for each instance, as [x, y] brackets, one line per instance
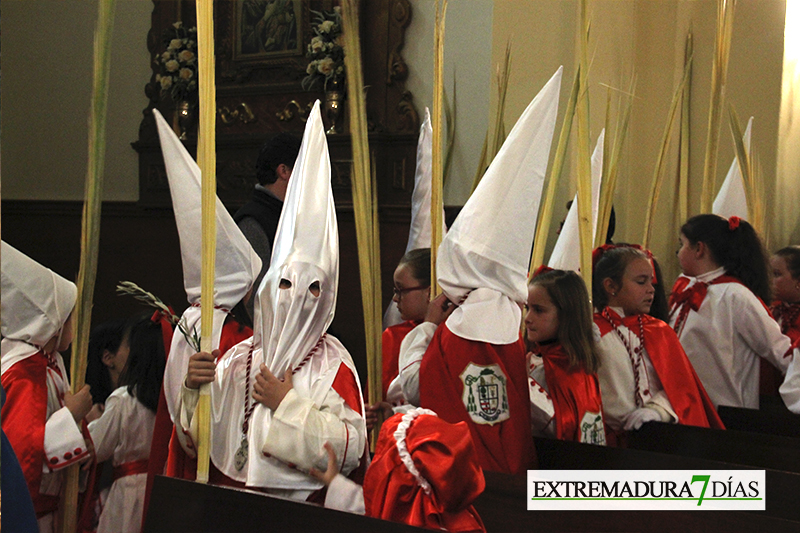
[711, 276]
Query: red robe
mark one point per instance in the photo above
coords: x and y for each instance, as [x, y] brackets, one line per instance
[683, 388]
[390, 346]
[575, 393]
[485, 385]
[24, 415]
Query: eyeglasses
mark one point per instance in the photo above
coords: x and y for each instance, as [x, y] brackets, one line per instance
[400, 292]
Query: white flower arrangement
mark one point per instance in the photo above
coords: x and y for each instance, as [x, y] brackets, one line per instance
[325, 52]
[178, 76]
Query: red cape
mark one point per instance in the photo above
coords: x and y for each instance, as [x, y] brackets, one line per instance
[445, 458]
[24, 416]
[573, 391]
[683, 388]
[504, 445]
[390, 347]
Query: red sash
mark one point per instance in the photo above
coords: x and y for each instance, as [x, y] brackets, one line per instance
[390, 346]
[504, 446]
[683, 388]
[131, 468]
[573, 391]
[788, 316]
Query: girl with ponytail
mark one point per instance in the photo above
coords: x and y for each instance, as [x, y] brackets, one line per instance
[717, 308]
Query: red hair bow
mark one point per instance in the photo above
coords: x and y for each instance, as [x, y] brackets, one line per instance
[543, 269]
[733, 223]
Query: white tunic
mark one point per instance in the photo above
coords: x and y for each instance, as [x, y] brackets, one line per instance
[725, 338]
[123, 433]
[617, 381]
[311, 414]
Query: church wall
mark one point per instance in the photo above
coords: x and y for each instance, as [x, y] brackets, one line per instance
[46, 88]
[468, 58]
[647, 38]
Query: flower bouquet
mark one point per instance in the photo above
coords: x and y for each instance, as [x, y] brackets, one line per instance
[178, 76]
[325, 52]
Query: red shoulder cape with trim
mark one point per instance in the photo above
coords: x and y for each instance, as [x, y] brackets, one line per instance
[574, 392]
[502, 447]
[24, 416]
[683, 388]
[390, 347]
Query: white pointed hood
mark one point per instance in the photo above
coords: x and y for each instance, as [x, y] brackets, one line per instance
[35, 304]
[236, 263]
[419, 235]
[567, 251]
[483, 260]
[290, 321]
[731, 199]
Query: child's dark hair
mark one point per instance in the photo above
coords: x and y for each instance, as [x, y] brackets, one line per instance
[106, 336]
[419, 261]
[280, 149]
[144, 370]
[568, 293]
[612, 264]
[660, 307]
[734, 245]
[791, 254]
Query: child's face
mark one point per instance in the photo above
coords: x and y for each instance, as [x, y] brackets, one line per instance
[785, 287]
[541, 315]
[635, 295]
[411, 296]
[687, 257]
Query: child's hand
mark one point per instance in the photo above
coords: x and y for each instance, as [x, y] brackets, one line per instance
[439, 309]
[328, 475]
[79, 404]
[95, 413]
[382, 409]
[202, 366]
[270, 390]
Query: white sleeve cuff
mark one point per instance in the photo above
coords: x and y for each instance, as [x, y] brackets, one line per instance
[63, 441]
[345, 495]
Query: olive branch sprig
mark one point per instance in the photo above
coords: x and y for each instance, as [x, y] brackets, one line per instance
[128, 288]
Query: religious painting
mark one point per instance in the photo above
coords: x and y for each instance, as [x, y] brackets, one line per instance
[268, 29]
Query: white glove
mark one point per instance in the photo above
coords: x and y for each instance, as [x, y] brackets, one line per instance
[635, 419]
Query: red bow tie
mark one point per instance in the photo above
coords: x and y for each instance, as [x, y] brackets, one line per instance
[692, 296]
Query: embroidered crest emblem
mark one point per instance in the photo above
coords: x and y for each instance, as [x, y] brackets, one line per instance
[484, 394]
[592, 430]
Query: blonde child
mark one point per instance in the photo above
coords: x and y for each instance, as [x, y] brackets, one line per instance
[645, 375]
[717, 308]
[563, 359]
[40, 417]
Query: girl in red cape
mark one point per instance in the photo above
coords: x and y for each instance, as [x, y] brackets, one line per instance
[645, 375]
[563, 359]
[786, 290]
[717, 309]
[412, 293]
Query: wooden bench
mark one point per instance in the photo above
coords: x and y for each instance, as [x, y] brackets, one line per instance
[772, 419]
[759, 450]
[178, 505]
